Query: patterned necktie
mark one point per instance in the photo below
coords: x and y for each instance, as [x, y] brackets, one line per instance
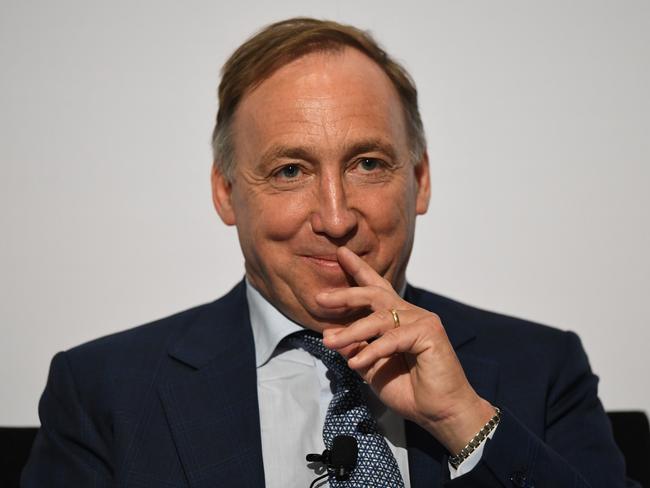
[348, 414]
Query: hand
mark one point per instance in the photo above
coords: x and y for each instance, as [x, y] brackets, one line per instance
[412, 368]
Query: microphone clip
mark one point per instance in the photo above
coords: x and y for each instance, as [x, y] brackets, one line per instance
[341, 459]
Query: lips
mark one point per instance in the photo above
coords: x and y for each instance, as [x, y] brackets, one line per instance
[323, 257]
[328, 256]
[328, 261]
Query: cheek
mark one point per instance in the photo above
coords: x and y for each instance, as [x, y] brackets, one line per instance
[272, 217]
[389, 213]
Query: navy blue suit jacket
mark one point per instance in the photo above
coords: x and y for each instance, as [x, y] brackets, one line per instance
[174, 404]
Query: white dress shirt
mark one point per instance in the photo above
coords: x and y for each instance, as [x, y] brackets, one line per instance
[294, 392]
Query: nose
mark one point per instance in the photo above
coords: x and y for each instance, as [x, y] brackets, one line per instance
[333, 217]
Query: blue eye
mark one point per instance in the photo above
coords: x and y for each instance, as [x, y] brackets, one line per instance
[289, 171]
[369, 164]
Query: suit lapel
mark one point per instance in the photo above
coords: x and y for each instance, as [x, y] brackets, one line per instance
[427, 457]
[212, 410]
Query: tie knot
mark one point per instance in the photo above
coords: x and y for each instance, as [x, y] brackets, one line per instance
[312, 342]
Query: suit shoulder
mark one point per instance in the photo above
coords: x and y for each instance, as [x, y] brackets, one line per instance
[143, 333]
[140, 344]
[489, 323]
[141, 348]
[514, 343]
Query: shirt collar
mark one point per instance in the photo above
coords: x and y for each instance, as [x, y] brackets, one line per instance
[269, 325]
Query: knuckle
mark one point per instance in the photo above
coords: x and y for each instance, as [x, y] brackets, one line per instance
[427, 323]
[434, 326]
[377, 289]
[382, 315]
[434, 322]
[391, 334]
[378, 303]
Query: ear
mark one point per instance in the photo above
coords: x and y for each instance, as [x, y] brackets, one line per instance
[222, 196]
[423, 183]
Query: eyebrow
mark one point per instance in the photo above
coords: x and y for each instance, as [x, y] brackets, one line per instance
[371, 145]
[287, 152]
[306, 153]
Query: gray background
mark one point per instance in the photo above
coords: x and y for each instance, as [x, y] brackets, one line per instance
[538, 118]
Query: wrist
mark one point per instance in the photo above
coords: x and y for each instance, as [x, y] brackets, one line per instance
[457, 429]
[473, 445]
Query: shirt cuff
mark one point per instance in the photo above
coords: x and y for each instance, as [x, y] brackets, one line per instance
[472, 460]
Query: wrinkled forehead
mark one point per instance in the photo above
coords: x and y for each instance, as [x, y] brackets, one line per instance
[323, 94]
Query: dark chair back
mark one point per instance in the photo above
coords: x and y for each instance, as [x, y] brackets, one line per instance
[15, 444]
[632, 434]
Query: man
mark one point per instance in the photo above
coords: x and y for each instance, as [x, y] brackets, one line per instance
[321, 164]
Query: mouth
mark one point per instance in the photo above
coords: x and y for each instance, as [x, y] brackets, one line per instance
[327, 261]
[324, 260]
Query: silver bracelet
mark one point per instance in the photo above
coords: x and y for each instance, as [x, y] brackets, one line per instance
[480, 436]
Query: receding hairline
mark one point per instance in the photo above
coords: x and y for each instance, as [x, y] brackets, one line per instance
[359, 144]
[334, 49]
[390, 86]
[283, 42]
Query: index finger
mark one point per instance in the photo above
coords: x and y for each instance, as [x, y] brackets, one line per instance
[361, 271]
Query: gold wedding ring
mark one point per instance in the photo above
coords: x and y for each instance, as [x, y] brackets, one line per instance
[395, 317]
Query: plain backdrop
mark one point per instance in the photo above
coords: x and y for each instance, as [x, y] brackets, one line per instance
[538, 121]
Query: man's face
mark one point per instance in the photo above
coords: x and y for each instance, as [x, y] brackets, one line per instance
[322, 160]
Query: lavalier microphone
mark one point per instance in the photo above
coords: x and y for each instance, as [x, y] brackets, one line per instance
[341, 459]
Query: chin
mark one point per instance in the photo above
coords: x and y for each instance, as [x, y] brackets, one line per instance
[326, 318]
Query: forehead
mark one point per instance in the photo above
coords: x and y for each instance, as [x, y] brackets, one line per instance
[334, 95]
